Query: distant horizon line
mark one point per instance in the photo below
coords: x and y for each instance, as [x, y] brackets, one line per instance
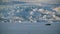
[22, 2]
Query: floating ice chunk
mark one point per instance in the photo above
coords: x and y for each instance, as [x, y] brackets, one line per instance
[44, 16]
[11, 12]
[30, 17]
[41, 10]
[18, 6]
[17, 11]
[48, 12]
[54, 15]
[57, 9]
[34, 9]
[31, 13]
[20, 21]
[34, 21]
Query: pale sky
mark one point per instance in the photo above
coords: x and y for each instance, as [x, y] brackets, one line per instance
[43, 1]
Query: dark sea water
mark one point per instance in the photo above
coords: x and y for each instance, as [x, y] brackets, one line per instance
[29, 28]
